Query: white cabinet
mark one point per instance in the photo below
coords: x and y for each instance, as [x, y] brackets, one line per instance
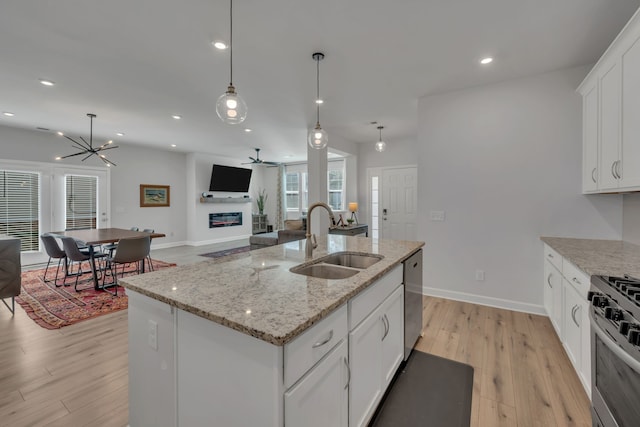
[565, 300]
[393, 339]
[553, 296]
[611, 105]
[320, 398]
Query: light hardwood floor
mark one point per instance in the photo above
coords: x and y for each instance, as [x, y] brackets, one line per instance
[77, 375]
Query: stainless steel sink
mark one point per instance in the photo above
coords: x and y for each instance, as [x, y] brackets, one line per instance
[339, 265]
[325, 271]
[351, 259]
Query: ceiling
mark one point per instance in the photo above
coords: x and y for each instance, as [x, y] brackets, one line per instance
[137, 63]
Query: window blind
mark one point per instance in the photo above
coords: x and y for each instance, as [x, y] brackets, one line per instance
[20, 207]
[81, 201]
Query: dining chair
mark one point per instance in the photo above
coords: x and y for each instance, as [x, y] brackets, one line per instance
[110, 247]
[55, 252]
[129, 250]
[74, 254]
[150, 231]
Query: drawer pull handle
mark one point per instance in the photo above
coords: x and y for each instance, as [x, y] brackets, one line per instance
[385, 321]
[550, 255]
[613, 170]
[415, 265]
[575, 280]
[346, 363]
[573, 314]
[549, 280]
[321, 343]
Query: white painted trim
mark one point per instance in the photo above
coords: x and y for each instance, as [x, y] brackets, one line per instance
[489, 301]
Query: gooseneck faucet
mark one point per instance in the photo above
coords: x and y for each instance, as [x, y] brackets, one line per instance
[311, 238]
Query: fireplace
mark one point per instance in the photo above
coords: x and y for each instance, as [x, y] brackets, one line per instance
[225, 219]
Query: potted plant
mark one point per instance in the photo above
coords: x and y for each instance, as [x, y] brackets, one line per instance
[261, 199]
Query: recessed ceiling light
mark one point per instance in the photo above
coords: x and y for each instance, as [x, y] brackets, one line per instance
[173, 145]
[176, 116]
[248, 130]
[8, 113]
[218, 44]
[487, 60]
[46, 82]
[120, 134]
[319, 101]
[60, 133]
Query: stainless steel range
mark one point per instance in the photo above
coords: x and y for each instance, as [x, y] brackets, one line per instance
[615, 351]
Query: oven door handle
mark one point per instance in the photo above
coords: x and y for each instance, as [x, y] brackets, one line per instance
[613, 347]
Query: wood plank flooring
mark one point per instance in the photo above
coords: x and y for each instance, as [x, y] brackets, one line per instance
[77, 375]
[522, 376]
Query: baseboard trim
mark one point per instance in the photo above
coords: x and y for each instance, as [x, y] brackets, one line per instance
[221, 240]
[482, 300]
[166, 245]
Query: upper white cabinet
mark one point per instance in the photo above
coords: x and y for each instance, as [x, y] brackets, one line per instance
[611, 105]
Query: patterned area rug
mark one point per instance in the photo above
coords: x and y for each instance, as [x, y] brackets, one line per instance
[53, 308]
[226, 252]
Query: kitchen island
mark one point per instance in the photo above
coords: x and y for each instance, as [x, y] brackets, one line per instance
[241, 340]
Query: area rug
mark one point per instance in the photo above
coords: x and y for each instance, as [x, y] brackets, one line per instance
[429, 391]
[54, 308]
[226, 252]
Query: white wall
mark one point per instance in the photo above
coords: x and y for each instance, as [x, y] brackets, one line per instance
[135, 166]
[504, 162]
[631, 218]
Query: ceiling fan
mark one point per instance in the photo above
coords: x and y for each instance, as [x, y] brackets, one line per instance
[258, 161]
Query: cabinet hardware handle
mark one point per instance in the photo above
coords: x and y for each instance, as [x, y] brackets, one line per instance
[593, 172]
[550, 255]
[415, 265]
[385, 320]
[346, 363]
[549, 280]
[618, 169]
[613, 172]
[321, 343]
[573, 314]
[575, 280]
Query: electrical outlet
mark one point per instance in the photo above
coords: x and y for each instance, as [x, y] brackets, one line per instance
[153, 335]
[480, 275]
[437, 215]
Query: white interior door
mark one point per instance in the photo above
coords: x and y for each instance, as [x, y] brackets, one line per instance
[399, 203]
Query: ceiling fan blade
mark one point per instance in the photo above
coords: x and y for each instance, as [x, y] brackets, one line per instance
[271, 163]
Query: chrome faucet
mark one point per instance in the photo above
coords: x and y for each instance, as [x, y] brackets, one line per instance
[312, 243]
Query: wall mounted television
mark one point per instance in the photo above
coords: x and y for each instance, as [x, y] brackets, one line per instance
[229, 178]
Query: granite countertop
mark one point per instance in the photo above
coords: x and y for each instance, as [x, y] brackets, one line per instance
[255, 293]
[599, 257]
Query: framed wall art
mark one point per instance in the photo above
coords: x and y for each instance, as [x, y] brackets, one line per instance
[154, 195]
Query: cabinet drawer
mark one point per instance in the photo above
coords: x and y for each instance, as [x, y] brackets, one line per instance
[578, 279]
[303, 352]
[553, 257]
[370, 298]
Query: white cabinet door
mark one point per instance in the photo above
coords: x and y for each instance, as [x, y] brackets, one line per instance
[610, 87]
[365, 356]
[573, 309]
[585, 327]
[590, 138]
[393, 339]
[320, 398]
[553, 296]
[629, 167]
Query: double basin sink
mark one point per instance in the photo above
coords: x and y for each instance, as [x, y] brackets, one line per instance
[338, 265]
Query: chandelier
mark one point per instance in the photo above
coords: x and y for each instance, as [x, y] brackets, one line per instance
[88, 148]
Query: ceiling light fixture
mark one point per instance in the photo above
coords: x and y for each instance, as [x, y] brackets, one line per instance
[177, 117]
[317, 137]
[173, 145]
[230, 107]
[247, 130]
[219, 45]
[120, 134]
[380, 145]
[46, 82]
[486, 61]
[8, 113]
[87, 147]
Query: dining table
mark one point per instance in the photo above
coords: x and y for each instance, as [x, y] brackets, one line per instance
[100, 236]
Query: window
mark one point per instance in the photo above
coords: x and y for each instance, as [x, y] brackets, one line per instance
[336, 186]
[292, 180]
[81, 201]
[20, 207]
[297, 186]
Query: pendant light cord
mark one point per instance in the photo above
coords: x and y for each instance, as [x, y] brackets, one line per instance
[230, 42]
[317, 90]
[91, 132]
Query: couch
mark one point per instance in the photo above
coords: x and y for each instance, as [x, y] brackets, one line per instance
[10, 270]
[293, 230]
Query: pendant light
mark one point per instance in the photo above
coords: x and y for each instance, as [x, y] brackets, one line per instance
[318, 138]
[230, 107]
[380, 145]
[87, 148]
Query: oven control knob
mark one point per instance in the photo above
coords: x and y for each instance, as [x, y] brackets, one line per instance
[623, 328]
[612, 313]
[595, 300]
[591, 294]
[634, 335]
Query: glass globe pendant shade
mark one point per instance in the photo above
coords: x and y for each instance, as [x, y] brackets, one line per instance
[381, 146]
[231, 108]
[318, 138]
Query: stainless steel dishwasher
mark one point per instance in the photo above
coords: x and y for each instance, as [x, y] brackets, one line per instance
[412, 301]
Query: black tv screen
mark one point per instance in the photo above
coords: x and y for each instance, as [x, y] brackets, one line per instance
[229, 178]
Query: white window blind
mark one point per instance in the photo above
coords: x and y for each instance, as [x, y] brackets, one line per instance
[20, 207]
[81, 201]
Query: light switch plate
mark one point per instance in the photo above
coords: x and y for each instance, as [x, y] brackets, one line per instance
[437, 215]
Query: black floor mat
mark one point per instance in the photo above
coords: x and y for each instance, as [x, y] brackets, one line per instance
[429, 391]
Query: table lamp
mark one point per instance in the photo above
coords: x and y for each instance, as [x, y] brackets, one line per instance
[353, 207]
